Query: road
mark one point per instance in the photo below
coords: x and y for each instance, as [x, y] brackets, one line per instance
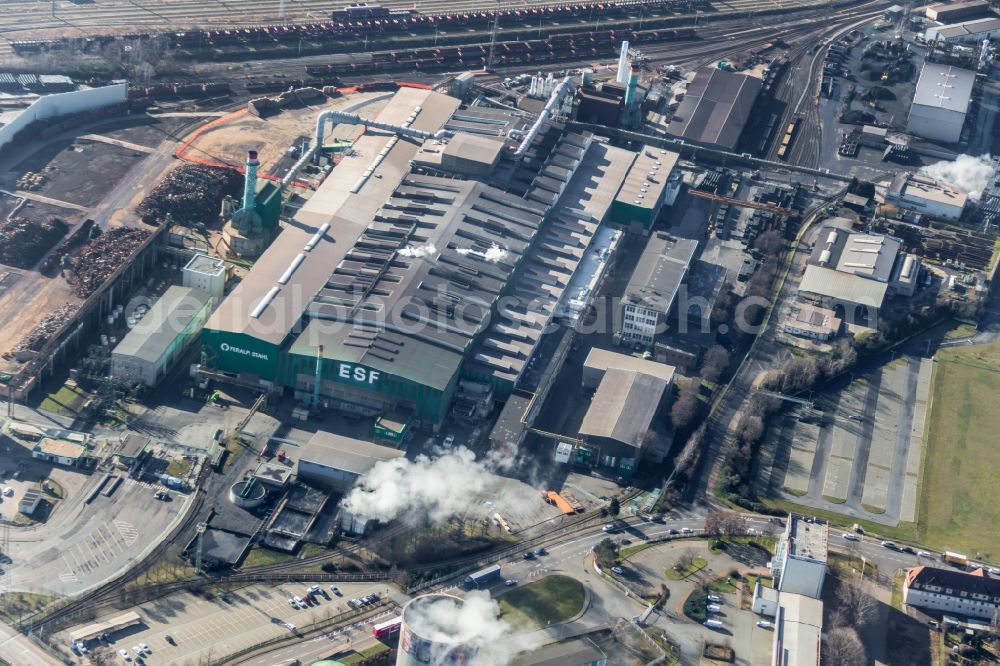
[19, 650]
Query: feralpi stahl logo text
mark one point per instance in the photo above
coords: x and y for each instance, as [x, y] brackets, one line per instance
[226, 347]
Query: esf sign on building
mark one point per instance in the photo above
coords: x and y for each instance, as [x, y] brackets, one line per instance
[358, 374]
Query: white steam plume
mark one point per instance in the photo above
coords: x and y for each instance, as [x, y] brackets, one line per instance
[435, 489]
[473, 628]
[417, 252]
[971, 173]
[493, 254]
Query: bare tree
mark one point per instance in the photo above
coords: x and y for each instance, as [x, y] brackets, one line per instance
[728, 523]
[769, 243]
[685, 408]
[844, 648]
[684, 561]
[859, 605]
[715, 363]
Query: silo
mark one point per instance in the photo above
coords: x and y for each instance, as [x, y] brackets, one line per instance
[431, 635]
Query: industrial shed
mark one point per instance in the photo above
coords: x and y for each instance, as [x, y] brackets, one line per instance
[159, 339]
[716, 108]
[338, 461]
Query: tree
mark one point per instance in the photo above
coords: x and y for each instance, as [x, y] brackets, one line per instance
[685, 408]
[769, 243]
[858, 604]
[715, 363]
[844, 648]
[723, 522]
[684, 561]
[614, 507]
[604, 553]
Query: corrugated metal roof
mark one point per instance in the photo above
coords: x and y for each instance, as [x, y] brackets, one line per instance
[944, 87]
[624, 406]
[843, 286]
[715, 108]
[351, 455]
[659, 272]
[150, 338]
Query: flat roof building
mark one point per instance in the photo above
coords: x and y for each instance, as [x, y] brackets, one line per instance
[941, 102]
[58, 451]
[650, 183]
[162, 336]
[599, 361]
[338, 461]
[923, 195]
[716, 108]
[815, 323]
[799, 562]
[207, 274]
[652, 288]
[798, 631]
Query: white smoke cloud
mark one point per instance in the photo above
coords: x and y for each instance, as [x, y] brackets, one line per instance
[970, 172]
[493, 254]
[472, 627]
[435, 489]
[417, 252]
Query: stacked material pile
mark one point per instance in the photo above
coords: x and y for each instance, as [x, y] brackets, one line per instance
[190, 194]
[102, 256]
[23, 241]
[40, 334]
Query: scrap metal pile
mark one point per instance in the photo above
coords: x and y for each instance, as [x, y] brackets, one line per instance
[102, 256]
[23, 242]
[40, 334]
[190, 194]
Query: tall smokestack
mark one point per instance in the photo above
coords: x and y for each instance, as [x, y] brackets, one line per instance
[633, 85]
[621, 75]
[250, 185]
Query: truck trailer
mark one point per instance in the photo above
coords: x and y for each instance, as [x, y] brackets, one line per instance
[482, 578]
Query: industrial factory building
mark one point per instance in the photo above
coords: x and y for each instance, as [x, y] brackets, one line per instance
[923, 196]
[974, 31]
[161, 336]
[649, 297]
[949, 12]
[853, 274]
[207, 274]
[716, 108]
[382, 297]
[941, 102]
[337, 461]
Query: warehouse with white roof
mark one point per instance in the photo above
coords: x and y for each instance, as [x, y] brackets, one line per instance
[941, 102]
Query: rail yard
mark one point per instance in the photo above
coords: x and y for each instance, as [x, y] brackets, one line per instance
[494, 332]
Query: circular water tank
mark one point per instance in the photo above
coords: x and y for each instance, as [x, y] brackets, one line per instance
[430, 633]
[247, 494]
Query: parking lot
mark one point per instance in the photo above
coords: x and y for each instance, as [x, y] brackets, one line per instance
[202, 628]
[861, 455]
[83, 544]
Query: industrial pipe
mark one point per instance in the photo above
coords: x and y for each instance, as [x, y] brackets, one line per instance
[355, 119]
[555, 99]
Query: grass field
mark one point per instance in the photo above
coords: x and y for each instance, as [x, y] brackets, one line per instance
[959, 493]
[547, 601]
[68, 401]
[260, 557]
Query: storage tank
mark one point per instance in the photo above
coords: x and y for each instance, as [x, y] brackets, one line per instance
[432, 633]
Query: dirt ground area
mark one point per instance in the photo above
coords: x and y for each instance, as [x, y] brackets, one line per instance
[271, 137]
[78, 171]
[7, 204]
[144, 130]
[25, 303]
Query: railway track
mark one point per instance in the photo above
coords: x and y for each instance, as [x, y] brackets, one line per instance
[33, 19]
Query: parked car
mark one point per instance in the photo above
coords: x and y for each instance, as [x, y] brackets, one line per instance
[672, 531]
[618, 570]
[144, 649]
[125, 655]
[528, 555]
[336, 590]
[715, 599]
[81, 647]
[510, 582]
[923, 553]
[764, 624]
[541, 551]
[293, 603]
[849, 536]
[686, 530]
[891, 545]
[609, 528]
